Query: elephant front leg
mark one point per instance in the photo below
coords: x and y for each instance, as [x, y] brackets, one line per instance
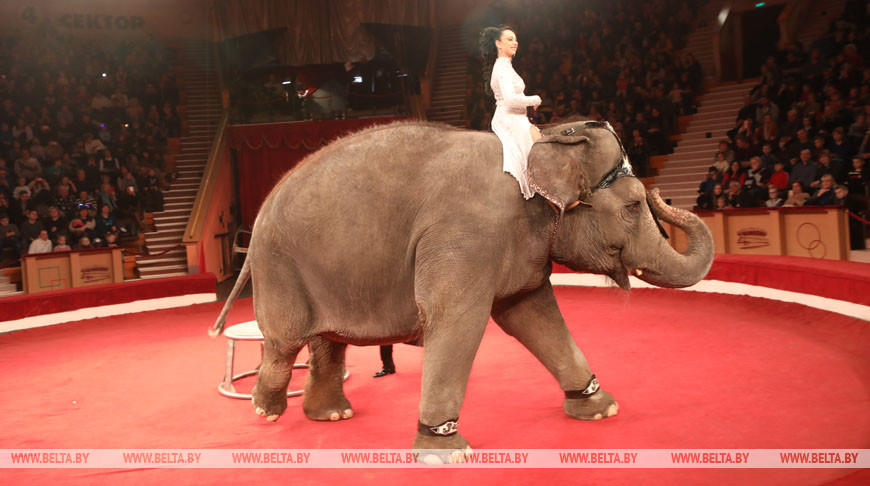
[451, 342]
[535, 321]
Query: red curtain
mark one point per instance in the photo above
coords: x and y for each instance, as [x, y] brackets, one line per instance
[266, 152]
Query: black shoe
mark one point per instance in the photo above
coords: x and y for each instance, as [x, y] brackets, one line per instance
[385, 372]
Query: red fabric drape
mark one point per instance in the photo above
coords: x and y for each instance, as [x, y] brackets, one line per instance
[266, 152]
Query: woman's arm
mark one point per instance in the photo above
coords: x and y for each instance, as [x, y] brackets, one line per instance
[504, 84]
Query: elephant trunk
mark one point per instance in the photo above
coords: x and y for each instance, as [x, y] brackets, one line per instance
[666, 267]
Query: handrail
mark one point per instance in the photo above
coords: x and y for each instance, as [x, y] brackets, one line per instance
[193, 232]
[430, 69]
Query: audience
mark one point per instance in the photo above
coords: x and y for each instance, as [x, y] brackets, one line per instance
[81, 120]
[804, 127]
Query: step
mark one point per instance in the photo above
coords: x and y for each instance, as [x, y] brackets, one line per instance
[146, 268]
[178, 257]
[168, 234]
[161, 239]
[161, 246]
[6, 288]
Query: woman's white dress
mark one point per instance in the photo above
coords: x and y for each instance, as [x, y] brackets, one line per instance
[510, 122]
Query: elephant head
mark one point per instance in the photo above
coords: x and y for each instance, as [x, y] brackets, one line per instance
[606, 222]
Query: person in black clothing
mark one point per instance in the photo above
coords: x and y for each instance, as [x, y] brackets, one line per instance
[388, 366]
[857, 238]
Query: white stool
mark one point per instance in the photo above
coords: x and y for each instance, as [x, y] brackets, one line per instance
[249, 331]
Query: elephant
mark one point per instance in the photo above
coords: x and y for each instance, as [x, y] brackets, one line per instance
[412, 231]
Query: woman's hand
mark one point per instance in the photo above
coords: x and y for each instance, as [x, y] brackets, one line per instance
[536, 102]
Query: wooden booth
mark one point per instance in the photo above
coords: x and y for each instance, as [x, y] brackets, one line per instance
[68, 269]
[809, 231]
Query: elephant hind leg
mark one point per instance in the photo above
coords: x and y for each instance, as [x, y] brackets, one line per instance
[324, 391]
[270, 392]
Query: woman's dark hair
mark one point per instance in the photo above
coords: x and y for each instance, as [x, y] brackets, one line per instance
[488, 36]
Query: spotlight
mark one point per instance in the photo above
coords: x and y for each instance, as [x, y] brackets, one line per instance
[357, 80]
[285, 83]
[104, 75]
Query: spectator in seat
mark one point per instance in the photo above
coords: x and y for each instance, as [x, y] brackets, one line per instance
[722, 202]
[152, 196]
[109, 165]
[805, 170]
[27, 166]
[110, 241]
[796, 146]
[83, 224]
[64, 201]
[82, 182]
[735, 173]
[765, 107]
[774, 199]
[725, 149]
[61, 244]
[854, 204]
[768, 132]
[22, 186]
[713, 178]
[105, 222]
[755, 184]
[796, 196]
[126, 179]
[10, 236]
[30, 228]
[56, 223]
[20, 208]
[41, 244]
[825, 195]
[839, 146]
[733, 194]
[85, 243]
[744, 150]
[709, 200]
[129, 209]
[829, 165]
[721, 164]
[85, 200]
[768, 157]
[858, 177]
[106, 197]
[639, 151]
[779, 178]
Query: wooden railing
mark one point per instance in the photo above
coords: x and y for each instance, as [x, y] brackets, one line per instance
[193, 232]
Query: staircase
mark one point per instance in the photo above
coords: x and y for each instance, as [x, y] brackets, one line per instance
[202, 110]
[448, 93]
[685, 168]
[817, 19]
[700, 42]
[7, 288]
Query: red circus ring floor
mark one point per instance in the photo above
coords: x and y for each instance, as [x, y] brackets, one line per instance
[690, 370]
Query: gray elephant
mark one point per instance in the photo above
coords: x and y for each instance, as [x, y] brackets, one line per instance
[412, 230]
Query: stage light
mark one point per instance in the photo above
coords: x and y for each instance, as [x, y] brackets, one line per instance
[104, 75]
[760, 4]
[357, 80]
[285, 83]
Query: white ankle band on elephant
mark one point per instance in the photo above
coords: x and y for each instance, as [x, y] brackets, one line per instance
[445, 429]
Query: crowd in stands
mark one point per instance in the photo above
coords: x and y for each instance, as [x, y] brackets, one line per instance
[801, 137]
[83, 128]
[614, 61]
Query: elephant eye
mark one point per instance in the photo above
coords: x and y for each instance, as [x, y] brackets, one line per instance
[633, 206]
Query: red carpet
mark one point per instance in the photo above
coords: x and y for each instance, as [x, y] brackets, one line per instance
[689, 371]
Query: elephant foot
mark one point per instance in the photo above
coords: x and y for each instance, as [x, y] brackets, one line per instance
[269, 404]
[441, 450]
[596, 407]
[327, 408]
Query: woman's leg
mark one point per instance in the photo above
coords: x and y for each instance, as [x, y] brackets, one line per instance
[536, 134]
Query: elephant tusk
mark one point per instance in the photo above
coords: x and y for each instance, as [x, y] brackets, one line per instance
[638, 272]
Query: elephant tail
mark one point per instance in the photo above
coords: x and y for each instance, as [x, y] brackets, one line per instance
[237, 289]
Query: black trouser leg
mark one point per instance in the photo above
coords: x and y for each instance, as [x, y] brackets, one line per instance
[387, 357]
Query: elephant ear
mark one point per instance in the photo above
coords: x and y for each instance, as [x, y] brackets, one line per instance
[556, 170]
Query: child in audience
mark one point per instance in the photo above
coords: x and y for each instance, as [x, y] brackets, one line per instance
[774, 200]
[61, 244]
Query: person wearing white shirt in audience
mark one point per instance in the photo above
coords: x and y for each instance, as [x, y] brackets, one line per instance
[41, 244]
